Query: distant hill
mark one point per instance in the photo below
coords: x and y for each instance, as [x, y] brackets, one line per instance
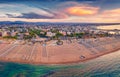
[38, 23]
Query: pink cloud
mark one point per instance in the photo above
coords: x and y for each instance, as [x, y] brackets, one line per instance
[81, 10]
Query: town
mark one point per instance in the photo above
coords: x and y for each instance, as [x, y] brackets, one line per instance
[47, 32]
[50, 43]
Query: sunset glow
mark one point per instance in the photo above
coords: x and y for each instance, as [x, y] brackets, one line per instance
[67, 11]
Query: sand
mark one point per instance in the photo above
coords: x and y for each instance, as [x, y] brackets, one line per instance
[77, 51]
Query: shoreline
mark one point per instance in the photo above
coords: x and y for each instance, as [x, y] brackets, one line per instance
[64, 63]
[68, 53]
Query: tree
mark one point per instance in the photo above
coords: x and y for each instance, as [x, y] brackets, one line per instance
[58, 34]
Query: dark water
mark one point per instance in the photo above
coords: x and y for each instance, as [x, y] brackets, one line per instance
[104, 66]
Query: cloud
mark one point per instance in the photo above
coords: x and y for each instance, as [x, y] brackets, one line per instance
[42, 0]
[105, 16]
[112, 13]
[20, 8]
[73, 8]
[63, 12]
[29, 16]
[88, 13]
[82, 10]
[28, 12]
[37, 16]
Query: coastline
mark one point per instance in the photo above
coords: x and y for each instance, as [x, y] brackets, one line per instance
[70, 62]
[68, 53]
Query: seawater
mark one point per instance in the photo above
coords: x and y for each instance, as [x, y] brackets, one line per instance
[104, 66]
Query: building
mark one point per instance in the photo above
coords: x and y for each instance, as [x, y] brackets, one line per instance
[50, 34]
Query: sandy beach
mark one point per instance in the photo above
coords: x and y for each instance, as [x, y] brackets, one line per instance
[76, 51]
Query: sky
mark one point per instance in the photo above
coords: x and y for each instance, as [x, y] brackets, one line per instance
[90, 11]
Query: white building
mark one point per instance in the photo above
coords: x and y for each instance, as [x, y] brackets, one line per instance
[50, 34]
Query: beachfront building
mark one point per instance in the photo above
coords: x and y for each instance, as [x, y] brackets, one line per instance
[6, 33]
[50, 34]
[63, 32]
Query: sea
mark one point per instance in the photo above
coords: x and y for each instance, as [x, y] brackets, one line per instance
[104, 66]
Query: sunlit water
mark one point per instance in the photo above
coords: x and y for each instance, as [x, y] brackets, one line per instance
[104, 66]
[109, 27]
